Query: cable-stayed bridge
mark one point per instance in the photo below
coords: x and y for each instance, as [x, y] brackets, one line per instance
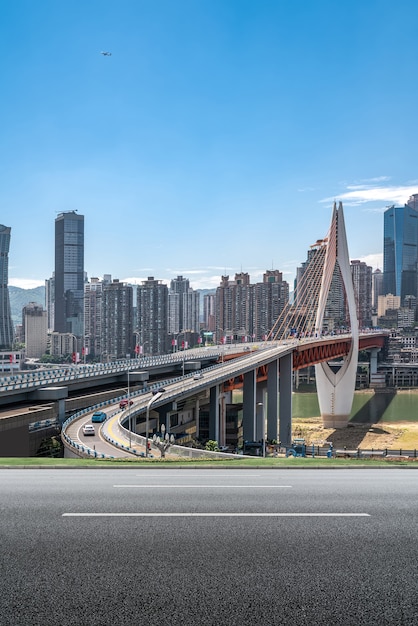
[298, 339]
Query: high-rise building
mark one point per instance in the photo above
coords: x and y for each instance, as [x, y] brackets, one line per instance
[6, 325]
[174, 326]
[35, 330]
[183, 307]
[93, 313]
[407, 313]
[377, 288]
[69, 274]
[117, 315]
[362, 282]
[308, 280]
[305, 274]
[247, 312]
[389, 302]
[152, 316]
[336, 314]
[271, 297]
[180, 286]
[191, 311]
[235, 309]
[400, 249]
[209, 309]
[64, 345]
[50, 301]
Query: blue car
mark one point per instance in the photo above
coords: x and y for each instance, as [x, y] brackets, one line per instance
[99, 416]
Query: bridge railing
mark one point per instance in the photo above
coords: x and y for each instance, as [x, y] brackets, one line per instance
[85, 450]
[28, 380]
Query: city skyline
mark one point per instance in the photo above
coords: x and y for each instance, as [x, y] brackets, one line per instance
[214, 139]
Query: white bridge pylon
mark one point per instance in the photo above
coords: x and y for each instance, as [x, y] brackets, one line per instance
[336, 388]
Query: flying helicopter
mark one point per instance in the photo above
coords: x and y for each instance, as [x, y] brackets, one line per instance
[106, 54]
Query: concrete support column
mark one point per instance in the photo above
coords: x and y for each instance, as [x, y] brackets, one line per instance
[273, 400]
[373, 360]
[197, 416]
[61, 410]
[285, 399]
[214, 413]
[260, 415]
[222, 419]
[249, 406]
[164, 416]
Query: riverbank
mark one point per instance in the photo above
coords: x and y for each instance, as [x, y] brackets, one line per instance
[378, 420]
[381, 435]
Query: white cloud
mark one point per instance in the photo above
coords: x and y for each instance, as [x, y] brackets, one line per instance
[186, 273]
[207, 282]
[379, 209]
[376, 179]
[26, 283]
[373, 260]
[362, 194]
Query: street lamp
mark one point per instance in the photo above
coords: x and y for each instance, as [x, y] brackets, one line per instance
[141, 349]
[129, 412]
[163, 443]
[74, 338]
[221, 340]
[137, 336]
[156, 396]
[184, 333]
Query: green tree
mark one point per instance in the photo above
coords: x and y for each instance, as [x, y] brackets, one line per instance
[212, 446]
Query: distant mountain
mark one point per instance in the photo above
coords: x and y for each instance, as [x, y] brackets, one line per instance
[20, 297]
[205, 292]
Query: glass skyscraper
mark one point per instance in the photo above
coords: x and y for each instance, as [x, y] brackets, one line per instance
[400, 250]
[6, 325]
[69, 274]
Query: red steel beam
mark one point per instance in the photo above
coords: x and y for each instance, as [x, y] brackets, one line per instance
[310, 354]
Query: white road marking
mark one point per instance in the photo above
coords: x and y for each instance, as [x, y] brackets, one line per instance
[203, 486]
[215, 515]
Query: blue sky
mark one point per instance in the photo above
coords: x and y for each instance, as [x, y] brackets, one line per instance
[213, 140]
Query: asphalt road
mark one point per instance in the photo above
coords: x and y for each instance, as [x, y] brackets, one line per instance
[245, 547]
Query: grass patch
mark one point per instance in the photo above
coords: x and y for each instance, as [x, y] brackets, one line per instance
[269, 463]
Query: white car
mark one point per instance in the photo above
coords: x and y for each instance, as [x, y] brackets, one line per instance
[198, 376]
[88, 429]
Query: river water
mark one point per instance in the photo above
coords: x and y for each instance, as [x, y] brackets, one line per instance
[367, 406]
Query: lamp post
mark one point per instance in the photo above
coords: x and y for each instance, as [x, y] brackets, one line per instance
[129, 411]
[137, 336]
[74, 338]
[221, 340]
[183, 332]
[163, 443]
[156, 396]
[141, 350]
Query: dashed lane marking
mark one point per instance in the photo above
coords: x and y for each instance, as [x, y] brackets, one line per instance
[203, 486]
[215, 515]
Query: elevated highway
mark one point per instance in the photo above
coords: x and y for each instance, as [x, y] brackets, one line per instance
[231, 374]
[235, 364]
